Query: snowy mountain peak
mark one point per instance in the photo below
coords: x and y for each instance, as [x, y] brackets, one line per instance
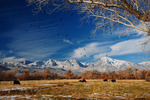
[50, 62]
[67, 62]
[37, 63]
[25, 62]
[106, 59]
[17, 62]
[71, 60]
[109, 64]
[111, 60]
[147, 63]
[104, 64]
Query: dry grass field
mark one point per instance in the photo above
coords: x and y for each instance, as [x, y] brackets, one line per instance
[75, 90]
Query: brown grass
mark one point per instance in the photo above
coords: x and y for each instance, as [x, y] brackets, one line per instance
[122, 89]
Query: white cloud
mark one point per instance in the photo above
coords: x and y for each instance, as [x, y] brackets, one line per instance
[130, 30]
[80, 41]
[12, 59]
[127, 47]
[67, 41]
[34, 45]
[40, 52]
[89, 49]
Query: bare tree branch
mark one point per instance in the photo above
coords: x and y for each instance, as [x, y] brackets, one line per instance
[127, 12]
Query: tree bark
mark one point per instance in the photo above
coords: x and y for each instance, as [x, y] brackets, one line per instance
[124, 5]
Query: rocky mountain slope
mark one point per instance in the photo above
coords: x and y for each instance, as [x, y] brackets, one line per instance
[104, 64]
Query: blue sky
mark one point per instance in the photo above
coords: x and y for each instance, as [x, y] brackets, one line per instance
[62, 35]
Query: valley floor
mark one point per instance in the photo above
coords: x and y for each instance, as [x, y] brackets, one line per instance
[75, 90]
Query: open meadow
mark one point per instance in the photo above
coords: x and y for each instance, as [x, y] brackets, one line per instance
[75, 90]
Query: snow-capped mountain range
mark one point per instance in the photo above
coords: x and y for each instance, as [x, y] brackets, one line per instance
[104, 64]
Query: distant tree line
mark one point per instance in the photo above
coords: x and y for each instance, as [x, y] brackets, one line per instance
[26, 75]
[128, 73]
